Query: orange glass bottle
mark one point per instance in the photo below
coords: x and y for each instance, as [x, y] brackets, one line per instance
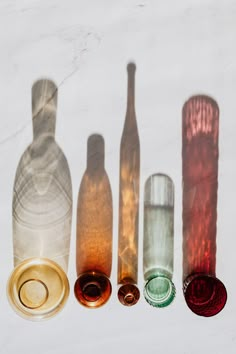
[128, 293]
[94, 230]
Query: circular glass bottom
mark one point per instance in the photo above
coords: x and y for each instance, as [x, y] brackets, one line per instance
[128, 294]
[159, 291]
[205, 295]
[92, 289]
[38, 288]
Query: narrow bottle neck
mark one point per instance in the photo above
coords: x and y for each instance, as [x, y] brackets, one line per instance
[131, 90]
[44, 105]
[95, 154]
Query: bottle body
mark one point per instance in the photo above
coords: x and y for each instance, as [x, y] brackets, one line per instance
[158, 240]
[128, 292]
[42, 205]
[41, 212]
[94, 230]
[204, 293]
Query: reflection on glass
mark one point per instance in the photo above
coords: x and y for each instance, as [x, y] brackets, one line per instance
[94, 230]
[128, 292]
[42, 210]
[204, 293]
[158, 240]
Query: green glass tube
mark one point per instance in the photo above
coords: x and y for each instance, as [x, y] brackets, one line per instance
[159, 290]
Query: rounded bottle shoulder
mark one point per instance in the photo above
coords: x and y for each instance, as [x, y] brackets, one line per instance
[42, 188]
[98, 179]
[46, 156]
[43, 146]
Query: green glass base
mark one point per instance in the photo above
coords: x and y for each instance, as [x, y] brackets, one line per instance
[159, 291]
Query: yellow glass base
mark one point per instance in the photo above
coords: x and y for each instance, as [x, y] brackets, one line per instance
[38, 288]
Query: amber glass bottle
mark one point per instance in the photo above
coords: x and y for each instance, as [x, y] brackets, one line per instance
[128, 292]
[94, 229]
[204, 293]
[42, 210]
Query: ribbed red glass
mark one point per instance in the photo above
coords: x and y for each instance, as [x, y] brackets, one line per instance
[204, 293]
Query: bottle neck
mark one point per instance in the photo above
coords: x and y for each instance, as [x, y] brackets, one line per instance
[44, 106]
[131, 90]
[95, 154]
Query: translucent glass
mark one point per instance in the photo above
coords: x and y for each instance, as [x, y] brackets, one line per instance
[42, 211]
[204, 293]
[128, 292]
[94, 230]
[158, 240]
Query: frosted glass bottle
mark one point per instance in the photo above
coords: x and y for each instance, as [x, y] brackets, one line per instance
[158, 242]
[94, 230]
[128, 292]
[204, 293]
[42, 211]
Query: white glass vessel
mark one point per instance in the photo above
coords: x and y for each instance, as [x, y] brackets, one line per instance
[42, 211]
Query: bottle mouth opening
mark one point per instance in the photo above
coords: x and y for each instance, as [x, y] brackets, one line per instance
[204, 294]
[159, 291]
[128, 294]
[33, 293]
[129, 299]
[92, 289]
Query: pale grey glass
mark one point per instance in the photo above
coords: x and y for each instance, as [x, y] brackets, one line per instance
[42, 211]
[158, 240]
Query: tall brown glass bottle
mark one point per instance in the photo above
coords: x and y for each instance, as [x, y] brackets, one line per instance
[128, 292]
[94, 230]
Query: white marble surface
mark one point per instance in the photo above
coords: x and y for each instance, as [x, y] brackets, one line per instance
[180, 49]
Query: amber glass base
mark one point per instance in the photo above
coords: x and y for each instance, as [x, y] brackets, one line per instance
[205, 295]
[92, 289]
[37, 288]
[128, 294]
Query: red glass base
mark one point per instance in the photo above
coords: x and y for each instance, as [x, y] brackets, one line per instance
[205, 295]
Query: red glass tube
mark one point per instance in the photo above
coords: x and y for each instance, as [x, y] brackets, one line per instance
[204, 293]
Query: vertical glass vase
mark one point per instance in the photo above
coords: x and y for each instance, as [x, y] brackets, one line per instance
[41, 211]
[158, 242]
[128, 293]
[94, 230]
[204, 293]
